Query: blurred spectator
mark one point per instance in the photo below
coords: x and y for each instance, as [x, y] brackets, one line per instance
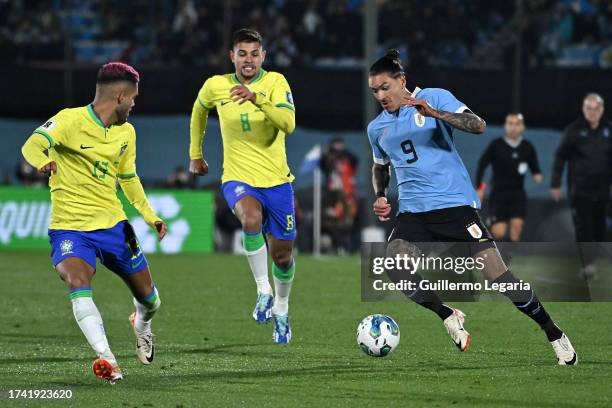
[339, 202]
[186, 17]
[337, 221]
[27, 175]
[304, 32]
[226, 224]
[180, 178]
[339, 167]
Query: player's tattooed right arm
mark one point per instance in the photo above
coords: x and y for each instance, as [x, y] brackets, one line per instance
[465, 121]
[380, 178]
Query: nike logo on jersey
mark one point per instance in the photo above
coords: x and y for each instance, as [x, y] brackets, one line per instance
[86, 147]
[224, 102]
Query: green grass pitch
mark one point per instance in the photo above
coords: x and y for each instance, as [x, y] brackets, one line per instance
[210, 352]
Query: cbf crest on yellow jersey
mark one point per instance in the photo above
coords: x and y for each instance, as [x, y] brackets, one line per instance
[253, 133]
[89, 157]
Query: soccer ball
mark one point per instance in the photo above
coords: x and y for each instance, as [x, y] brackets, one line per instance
[378, 335]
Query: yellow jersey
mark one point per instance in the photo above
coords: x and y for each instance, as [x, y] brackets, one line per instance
[90, 158]
[253, 133]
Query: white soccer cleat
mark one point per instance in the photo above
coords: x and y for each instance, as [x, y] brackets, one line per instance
[145, 346]
[566, 355]
[107, 370]
[454, 327]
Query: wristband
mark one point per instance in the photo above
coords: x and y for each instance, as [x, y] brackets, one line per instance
[380, 194]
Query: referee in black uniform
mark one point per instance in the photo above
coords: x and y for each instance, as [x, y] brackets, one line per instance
[510, 156]
[587, 147]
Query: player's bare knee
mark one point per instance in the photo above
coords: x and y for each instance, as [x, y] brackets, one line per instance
[494, 265]
[282, 258]
[403, 247]
[75, 278]
[251, 221]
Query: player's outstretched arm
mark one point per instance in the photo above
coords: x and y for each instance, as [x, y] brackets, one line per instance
[132, 188]
[466, 121]
[380, 181]
[197, 126]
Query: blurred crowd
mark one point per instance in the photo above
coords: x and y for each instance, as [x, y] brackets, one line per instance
[454, 33]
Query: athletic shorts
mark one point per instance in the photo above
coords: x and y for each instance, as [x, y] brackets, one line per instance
[276, 202]
[117, 248]
[454, 224]
[504, 206]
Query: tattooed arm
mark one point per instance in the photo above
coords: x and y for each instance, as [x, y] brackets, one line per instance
[380, 178]
[465, 121]
[380, 181]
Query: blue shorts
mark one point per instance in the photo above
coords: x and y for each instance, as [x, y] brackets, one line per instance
[117, 248]
[277, 204]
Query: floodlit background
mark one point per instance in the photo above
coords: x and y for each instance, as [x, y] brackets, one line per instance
[536, 56]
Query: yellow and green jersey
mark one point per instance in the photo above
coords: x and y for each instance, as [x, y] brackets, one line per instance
[90, 158]
[253, 133]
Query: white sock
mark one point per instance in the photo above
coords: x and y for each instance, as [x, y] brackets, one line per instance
[281, 297]
[258, 261]
[90, 321]
[145, 311]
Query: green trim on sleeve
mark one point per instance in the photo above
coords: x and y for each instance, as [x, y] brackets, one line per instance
[126, 176]
[47, 136]
[285, 105]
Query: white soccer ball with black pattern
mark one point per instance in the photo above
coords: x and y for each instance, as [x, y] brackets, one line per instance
[378, 335]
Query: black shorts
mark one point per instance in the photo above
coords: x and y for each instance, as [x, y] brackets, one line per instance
[505, 205]
[455, 224]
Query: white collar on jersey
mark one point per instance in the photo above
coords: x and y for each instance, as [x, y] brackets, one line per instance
[513, 143]
[416, 91]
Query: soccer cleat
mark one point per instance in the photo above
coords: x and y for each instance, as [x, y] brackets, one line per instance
[282, 329]
[566, 355]
[263, 308]
[145, 346]
[107, 371]
[454, 327]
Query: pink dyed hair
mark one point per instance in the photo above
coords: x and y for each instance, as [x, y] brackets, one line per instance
[117, 71]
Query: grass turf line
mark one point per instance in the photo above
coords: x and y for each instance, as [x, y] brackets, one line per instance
[209, 349]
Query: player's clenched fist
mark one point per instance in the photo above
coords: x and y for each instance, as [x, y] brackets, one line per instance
[49, 168]
[421, 105]
[240, 94]
[161, 228]
[199, 167]
[382, 209]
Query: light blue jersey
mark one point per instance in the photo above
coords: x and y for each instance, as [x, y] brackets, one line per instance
[429, 171]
